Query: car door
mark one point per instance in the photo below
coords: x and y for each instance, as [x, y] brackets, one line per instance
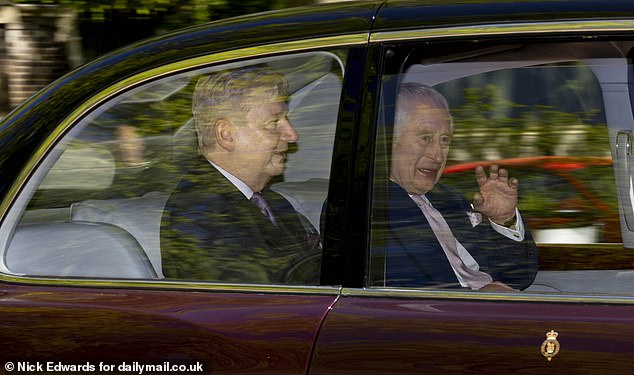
[83, 278]
[513, 93]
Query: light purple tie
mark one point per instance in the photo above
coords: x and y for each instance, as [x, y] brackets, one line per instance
[258, 200]
[474, 279]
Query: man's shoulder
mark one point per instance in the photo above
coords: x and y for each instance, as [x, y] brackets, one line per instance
[441, 189]
[440, 195]
[446, 196]
[204, 186]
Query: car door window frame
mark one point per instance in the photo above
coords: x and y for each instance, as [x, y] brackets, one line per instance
[16, 200]
[493, 33]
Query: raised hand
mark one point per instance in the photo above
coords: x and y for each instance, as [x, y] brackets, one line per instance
[497, 198]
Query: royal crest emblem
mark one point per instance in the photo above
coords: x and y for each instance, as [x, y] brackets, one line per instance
[550, 346]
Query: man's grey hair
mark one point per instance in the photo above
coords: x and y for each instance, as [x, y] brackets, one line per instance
[226, 94]
[411, 95]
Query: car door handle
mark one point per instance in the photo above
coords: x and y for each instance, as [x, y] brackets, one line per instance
[625, 185]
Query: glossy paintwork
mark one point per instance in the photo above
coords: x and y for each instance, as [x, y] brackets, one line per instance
[422, 335]
[403, 15]
[346, 231]
[228, 332]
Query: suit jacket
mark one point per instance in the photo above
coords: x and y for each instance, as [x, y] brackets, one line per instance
[211, 232]
[414, 257]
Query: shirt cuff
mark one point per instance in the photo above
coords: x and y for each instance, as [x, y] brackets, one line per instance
[516, 233]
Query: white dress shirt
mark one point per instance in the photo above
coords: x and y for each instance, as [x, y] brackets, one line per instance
[244, 189]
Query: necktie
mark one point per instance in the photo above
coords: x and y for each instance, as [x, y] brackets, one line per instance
[258, 200]
[474, 279]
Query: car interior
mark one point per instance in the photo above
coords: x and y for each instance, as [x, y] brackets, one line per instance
[537, 109]
[86, 212]
[113, 230]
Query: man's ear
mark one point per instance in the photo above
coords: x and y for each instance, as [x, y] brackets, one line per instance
[224, 132]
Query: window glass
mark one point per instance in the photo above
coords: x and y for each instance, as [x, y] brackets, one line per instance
[546, 124]
[534, 111]
[159, 182]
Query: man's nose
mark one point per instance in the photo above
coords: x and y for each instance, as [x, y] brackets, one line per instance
[289, 134]
[435, 151]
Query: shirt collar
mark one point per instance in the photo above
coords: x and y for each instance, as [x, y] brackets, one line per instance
[244, 189]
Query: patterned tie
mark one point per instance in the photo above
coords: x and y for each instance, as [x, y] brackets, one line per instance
[474, 279]
[258, 200]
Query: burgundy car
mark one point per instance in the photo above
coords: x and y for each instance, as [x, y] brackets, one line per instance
[88, 164]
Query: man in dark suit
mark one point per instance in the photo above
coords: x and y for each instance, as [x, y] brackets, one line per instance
[435, 237]
[221, 223]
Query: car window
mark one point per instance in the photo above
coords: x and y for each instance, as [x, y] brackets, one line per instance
[99, 204]
[540, 112]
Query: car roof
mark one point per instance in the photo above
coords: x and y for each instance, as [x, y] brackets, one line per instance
[395, 14]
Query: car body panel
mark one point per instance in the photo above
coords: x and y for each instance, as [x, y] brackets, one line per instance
[424, 335]
[407, 15]
[226, 332]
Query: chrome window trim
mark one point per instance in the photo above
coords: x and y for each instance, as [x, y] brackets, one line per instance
[527, 28]
[174, 285]
[125, 85]
[542, 297]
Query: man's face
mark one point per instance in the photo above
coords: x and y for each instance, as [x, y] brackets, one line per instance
[419, 151]
[262, 141]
